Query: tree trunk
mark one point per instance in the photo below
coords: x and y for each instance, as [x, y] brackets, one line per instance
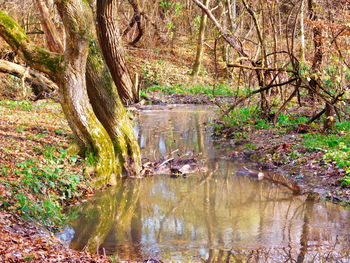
[110, 111]
[51, 34]
[318, 44]
[77, 18]
[302, 32]
[110, 136]
[201, 36]
[137, 18]
[109, 38]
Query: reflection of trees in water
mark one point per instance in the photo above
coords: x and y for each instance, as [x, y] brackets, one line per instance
[214, 213]
[305, 251]
[114, 220]
[273, 255]
[169, 131]
[218, 212]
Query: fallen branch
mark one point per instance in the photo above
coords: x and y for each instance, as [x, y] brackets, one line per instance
[236, 65]
[34, 77]
[255, 92]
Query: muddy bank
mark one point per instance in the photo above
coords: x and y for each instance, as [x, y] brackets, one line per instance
[158, 98]
[287, 160]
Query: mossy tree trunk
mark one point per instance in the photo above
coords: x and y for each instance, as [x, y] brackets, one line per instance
[109, 109]
[77, 17]
[101, 124]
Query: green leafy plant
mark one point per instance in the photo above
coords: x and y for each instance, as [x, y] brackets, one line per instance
[43, 186]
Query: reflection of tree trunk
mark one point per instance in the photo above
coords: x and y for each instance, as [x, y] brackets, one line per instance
[200, 139]
[305, 231]
[136, 225]
[116, 215]
[208, 221]
[181, 201]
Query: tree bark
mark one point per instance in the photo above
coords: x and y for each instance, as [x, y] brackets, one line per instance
[110, 111]
[201, 36]
[109, 38]
[77, 17]
[53, 41]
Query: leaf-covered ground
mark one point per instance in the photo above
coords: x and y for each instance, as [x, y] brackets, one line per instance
[21, 241]
[38, 177]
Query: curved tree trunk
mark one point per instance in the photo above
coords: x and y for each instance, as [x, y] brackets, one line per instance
[110, 111]
[77, 18]
[108, 33]
[89, 97]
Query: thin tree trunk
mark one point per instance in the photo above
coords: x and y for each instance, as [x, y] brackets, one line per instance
[201, 35]
[109, 38]
[318, 44]
[53, 41]
[302, 32]
[137, 18]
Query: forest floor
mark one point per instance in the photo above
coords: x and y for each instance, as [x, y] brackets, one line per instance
[38, 177]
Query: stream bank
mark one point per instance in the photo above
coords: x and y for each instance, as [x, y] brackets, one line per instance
[293, 155]
[218, 214]
[281, 149]
[209, 202]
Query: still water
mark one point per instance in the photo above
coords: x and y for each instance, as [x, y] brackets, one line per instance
[214, 216]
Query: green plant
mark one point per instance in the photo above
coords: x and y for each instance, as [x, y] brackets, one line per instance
[43, 186]
[242, 117]
[261, 124]
[287, 120]
[17, 104]
[340, 155]
[316, 142]
[345, 181]
[222, 89]
[250, 146]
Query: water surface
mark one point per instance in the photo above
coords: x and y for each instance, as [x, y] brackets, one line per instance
[214, 216]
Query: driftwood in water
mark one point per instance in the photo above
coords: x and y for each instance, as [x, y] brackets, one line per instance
[175, 166]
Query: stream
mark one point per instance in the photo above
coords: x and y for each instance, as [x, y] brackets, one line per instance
[213, 216]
